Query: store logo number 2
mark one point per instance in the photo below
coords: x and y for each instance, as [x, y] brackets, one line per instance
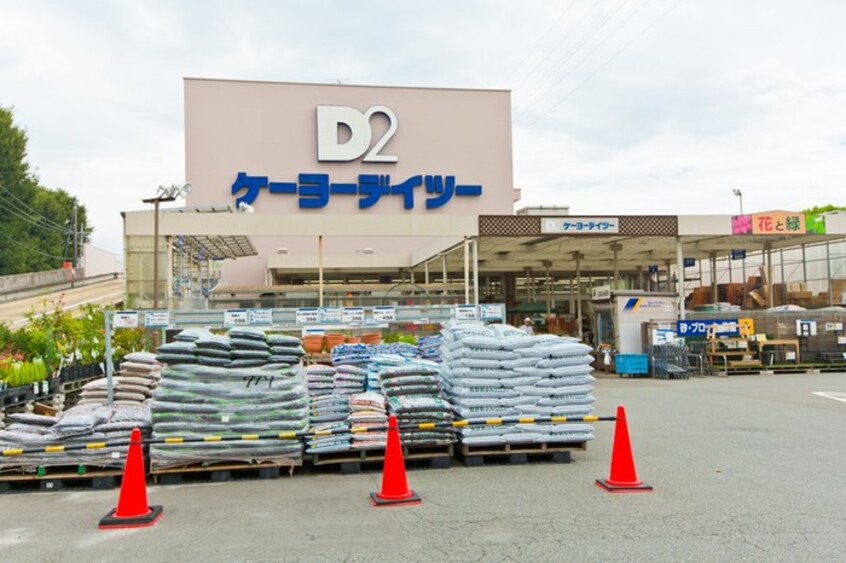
[329, 122]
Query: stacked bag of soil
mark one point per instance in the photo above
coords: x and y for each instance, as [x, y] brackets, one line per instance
[133, 385]
[247, 396]
[78, 425]
[368, 410]
[350, 380]
[499, 371]
[429, 347]
[413, 390]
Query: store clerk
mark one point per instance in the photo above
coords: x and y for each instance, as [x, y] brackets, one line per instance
[527, 326]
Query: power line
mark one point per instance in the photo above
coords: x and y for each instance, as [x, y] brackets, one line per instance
[606, 62]
[590, 53]
[45, 219]
[29, 249]
[572, 52]
[543, 36]
[35, 221]
[560, 41]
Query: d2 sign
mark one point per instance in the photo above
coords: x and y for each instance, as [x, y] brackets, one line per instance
[329, 121]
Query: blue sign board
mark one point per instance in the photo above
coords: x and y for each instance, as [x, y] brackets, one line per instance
[699, 327]
[738, 254]
[314, 190]
[689, 262]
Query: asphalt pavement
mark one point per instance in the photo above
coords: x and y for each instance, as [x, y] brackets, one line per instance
[746, 468]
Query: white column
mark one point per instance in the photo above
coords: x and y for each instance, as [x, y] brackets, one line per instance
[426, 273]
[578, 258]
[320, 270]
[475, 243]
[680, 284]
[466, 270]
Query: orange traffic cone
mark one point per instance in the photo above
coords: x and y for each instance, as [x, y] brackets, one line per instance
[395, 489]
[132, 510]
[623, 477]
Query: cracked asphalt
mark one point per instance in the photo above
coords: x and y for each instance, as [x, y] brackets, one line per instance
[747, 468]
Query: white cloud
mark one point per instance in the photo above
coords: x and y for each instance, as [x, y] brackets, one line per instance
[716, 95]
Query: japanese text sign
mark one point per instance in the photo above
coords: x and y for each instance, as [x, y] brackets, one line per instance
[769, 223]
[581, 225]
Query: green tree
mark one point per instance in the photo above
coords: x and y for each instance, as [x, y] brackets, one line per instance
[35, 222]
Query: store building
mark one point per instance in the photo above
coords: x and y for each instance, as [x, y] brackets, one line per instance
[312, 194]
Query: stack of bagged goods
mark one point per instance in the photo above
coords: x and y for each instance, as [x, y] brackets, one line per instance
[403, 349]
[134, 383]
[247, 397]
[350, 380]
[213, 350]
[429, 347]
[499, 371]
[249, 347]
[368, 410]
[77, 426]
[285, 349]
[378, 362]
[413, 390]
[351, 354]
[328, 411]
[320, 379]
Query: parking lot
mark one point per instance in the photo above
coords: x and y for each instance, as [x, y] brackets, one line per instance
[744, 468]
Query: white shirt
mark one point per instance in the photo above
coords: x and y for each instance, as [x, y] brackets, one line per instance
[528, 329]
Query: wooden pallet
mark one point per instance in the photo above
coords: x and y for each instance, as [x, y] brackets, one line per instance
[222, 471]
[517, 454]
[59, 478]
[76, 384]
[436, 457]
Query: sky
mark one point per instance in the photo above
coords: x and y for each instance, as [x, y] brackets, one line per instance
[618, 106]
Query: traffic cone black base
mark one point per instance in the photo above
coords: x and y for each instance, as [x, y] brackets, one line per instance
[376, 501]
[110, 521]
[641, 488]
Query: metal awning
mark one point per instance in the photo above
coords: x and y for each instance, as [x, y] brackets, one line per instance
[213, 247]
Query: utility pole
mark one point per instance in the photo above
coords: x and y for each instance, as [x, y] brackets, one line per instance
[75, 245]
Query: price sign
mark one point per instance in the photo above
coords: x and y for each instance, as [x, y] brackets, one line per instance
[492, 311]
[384, 314]
[465, 313]
[330, 315]
[125, 319]
[235, 317]
[156, 319]
[260, 316]
[308, 315]
[352, 315]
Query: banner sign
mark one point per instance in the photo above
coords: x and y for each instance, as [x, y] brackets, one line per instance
[352, 315]
[492, 311]
[330, 315]
[260, 316]
[384, 314]
[156, 319]
[724, 327]
[125, 319]
[465, 313]
[235, 317]
[307, 315]
[581, 225]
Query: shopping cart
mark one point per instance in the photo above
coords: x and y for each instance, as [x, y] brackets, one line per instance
[669, 361]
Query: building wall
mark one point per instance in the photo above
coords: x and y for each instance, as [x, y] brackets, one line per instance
[99, 261]
[270, 129]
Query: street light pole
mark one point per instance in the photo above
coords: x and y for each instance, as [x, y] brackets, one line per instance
[165, 194]
[156, 201]
[739, 195]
